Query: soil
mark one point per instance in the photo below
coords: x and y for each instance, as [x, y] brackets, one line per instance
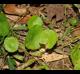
[53, 16]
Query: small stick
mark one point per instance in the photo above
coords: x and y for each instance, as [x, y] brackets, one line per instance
[29, 62]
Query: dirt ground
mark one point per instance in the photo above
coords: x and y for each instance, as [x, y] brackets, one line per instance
[54, 16]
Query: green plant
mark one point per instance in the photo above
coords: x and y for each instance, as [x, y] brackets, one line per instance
[11, 63]
[4, 25]
[38, 35]
[11, 44]
[19, 57]
[74, 22]
[75, 56]
[34, 20]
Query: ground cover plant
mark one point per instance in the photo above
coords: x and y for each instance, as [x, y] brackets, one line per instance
[39, 36]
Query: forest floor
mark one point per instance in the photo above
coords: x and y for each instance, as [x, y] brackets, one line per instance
[55, 17]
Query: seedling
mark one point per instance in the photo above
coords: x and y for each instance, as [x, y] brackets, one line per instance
[38, 35]
[34, 20]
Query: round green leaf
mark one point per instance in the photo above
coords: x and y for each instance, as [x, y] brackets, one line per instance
[34, 20]
[49, 38]
[32, 38]
[11, 44]
[37, 35]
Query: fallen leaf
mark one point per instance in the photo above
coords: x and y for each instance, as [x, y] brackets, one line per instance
[55, 10]
[50, 11]
[76, 31]
[5, 67]
[1, 63]
[17, 63]
[70, 12]
[24, 19]
[12, 9]
[12, 17]
[34, 10]
[18, 57]
[53, 57]
[59, 12]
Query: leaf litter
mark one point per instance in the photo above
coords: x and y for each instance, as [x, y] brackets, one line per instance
[53, 16]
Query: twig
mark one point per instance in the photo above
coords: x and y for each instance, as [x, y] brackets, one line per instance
[29, 62]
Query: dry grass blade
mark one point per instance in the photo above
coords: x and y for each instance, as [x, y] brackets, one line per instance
[29, 62]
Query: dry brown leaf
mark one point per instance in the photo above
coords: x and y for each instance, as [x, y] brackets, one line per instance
[34, 10]
[13, 17]
[70, 12]
[1, 62]
[12, 9]
[24, 19]
[17, 63]
[5, 67]
[9, 8]
[55, 10]
[76, 31]
[59, 12]
[53, 57]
